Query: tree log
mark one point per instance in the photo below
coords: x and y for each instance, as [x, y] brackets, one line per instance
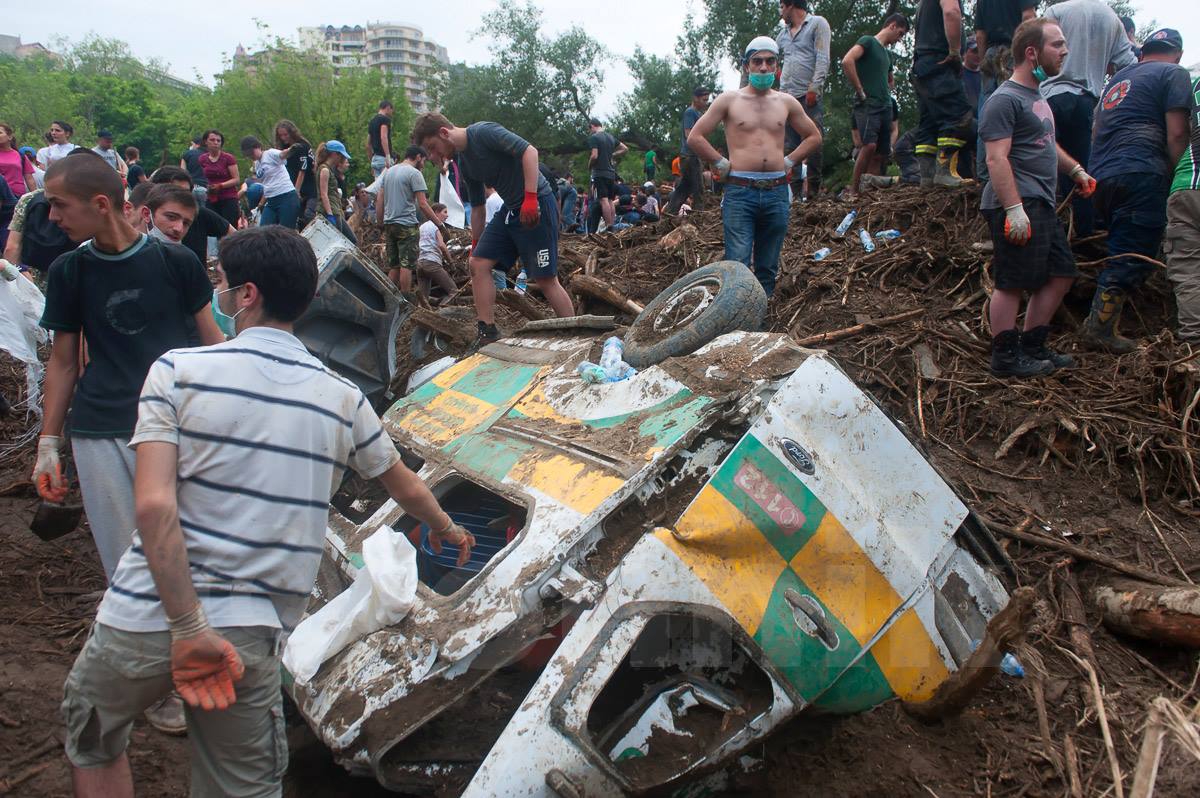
[599, 289]
[1169, 615]
[1004, 631]
[521, 303]
[451, 330]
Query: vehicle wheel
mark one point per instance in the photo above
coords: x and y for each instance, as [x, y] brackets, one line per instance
[719, 298]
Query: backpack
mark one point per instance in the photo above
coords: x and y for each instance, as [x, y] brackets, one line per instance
[41, 239]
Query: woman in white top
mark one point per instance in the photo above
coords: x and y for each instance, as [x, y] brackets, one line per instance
[60, 146]
[270, 167]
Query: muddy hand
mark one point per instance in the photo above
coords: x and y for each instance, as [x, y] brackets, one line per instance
[457, 536]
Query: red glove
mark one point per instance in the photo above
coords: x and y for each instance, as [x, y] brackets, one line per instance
[1085, 184]
[530, 213]
[810, 99]
[455, 535]
[204, 669]
[471, 251]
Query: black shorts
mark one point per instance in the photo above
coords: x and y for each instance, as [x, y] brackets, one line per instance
[505, 239]
[1046, 255]
[874, 127]
[606, 187]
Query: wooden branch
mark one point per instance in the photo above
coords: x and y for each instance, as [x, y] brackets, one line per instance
[522, 303]
[1145, 773]
[1102, 716]
[849, 332]
[450, 330]
[598, 289]
[1004, 630]
[1080, 553]
[1169, 615]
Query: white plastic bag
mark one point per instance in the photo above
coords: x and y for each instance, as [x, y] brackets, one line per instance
[21, 305]
[449, 197]
[383, 592]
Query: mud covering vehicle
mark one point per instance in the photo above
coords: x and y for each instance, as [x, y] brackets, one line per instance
[667, 568]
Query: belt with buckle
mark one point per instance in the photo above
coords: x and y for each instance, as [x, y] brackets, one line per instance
[757, 182]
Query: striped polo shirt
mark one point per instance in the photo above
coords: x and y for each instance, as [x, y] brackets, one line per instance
[265, 433]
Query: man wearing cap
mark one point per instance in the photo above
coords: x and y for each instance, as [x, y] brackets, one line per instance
[755, 207]
[804, 47]
[104, 148]
[945, 116]
[1096, 40]
[690, 179]
[1182, 242]
[1141, 132]
[604, 147]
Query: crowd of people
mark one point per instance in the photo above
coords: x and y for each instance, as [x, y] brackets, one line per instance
[208, 506]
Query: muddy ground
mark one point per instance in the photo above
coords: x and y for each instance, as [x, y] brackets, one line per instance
[1124, 495]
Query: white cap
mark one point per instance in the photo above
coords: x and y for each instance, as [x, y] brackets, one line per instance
[760, 43]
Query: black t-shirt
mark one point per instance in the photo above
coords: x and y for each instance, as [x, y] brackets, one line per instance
[493, 158]
[131, 309]
[302, 159]
[208, 223]
[603, 143]
[931, 29]
[191, 159]
[373, 130]
[136, 174]
[999, 19]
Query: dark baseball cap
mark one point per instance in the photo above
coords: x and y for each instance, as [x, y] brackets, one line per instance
[104, 134]
[1163, 39]
[701, 91]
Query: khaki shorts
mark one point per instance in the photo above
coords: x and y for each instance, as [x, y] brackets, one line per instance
[239, 751]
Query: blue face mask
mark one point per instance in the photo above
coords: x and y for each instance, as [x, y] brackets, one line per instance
[762, 81]
[1039, 74]
[224, 323]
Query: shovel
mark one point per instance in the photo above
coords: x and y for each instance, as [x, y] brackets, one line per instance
[53, 520]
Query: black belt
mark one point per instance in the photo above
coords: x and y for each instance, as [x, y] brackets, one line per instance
[757, 182]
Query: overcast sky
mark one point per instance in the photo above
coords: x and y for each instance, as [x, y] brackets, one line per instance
[197, 37]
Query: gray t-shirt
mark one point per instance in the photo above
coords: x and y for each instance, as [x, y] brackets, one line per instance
[1095, 38]
[1020, 113]
[109, 155]
[401, 183]
[493, 158]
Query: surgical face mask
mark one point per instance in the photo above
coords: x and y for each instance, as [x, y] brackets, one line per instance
[1039, 74]
[224, 322]
[762, 81]
[160, 235]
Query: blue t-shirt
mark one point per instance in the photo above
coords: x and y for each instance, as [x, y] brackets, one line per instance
[690, 117]
[1131, 125]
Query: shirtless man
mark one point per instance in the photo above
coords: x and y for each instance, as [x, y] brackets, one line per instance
[755, 208]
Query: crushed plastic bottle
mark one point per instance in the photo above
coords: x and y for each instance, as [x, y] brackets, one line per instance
[522, 281]
[865, 237]
[1009, 664]
[591, 373]
[845, 225]
[822, 253]
[887, 235]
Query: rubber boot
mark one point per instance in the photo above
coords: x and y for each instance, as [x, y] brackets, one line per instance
[1033, 343]
[1100, 327]
[946, 173]
[928, 164]
[1008, 360]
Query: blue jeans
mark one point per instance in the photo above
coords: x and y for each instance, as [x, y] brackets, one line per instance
[755, 222]
[281, 209]
[378, 164]
[568, 210]
[1073, 114]
[1134, 208]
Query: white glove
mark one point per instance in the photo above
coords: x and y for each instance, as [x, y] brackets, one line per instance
[788, 164]
[47, 469]
[722, 166]
[1017, 228]
[9, 271]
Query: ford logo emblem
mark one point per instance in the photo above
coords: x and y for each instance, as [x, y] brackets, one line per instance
[799, 456]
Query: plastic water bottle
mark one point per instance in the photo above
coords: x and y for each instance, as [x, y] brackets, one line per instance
[822, 253]
[865, 237]
[522, 281]
[887, 235]
[1012, 666]
[591, 373]
[610, 357]
[845, 225]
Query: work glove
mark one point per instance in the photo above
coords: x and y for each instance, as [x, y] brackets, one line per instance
[47, 470]
[332, 219]
[1085, 184]
[788, 164]
[722, 166]
[810, 99]
[455, 535]
[204, 665]
[530, 213]
[10, 272]
[1017, 229]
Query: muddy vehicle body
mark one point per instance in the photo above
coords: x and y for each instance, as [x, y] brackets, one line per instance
[667, 568]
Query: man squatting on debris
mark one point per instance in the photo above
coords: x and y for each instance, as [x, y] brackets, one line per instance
[1031, 249]
[490, 155]
[239, 447]
[756, 173]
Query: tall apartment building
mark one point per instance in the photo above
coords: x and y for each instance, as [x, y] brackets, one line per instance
[400, 52]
